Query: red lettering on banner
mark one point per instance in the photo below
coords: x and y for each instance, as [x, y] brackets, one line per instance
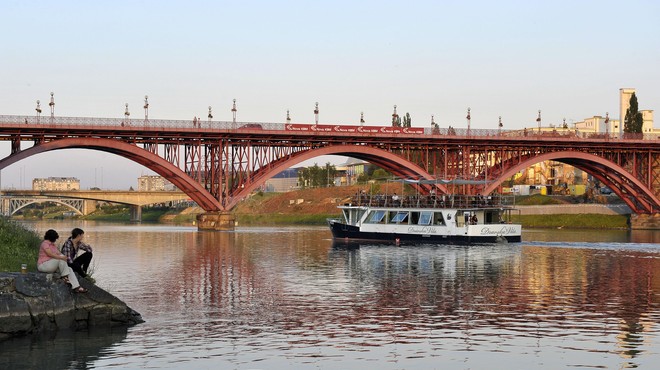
[368, 130]
[302, 127]
[340, 128]
[413, 130]
[297, 127]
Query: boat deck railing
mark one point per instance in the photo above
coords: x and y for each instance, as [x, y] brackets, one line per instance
[431, 201]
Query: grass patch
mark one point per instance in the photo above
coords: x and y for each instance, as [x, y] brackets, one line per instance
[536, 200]
[153, 214]
[18, 245]
[584, 221]
[282, 219]
[120, 217]
[185, 219]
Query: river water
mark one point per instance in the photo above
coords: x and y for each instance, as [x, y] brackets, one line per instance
[285, 297]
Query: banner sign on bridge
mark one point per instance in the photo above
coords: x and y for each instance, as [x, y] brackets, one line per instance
[305, 127]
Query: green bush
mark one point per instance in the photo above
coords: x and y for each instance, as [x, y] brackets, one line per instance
[17, 246]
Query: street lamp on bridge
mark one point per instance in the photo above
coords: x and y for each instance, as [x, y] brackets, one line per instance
[288, 118]
[126, 114]
[607, 125]
[361, 118]
[38, 109]
[210, 116]
[538, 121]
[395, 118]
[469, 118]
[233, 111]
[52, 106]
[316, 113]
[499, 126]
[146, 109]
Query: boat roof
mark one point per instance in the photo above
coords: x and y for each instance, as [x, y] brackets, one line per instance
[395, 208]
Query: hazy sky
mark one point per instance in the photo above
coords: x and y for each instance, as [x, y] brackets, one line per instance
[501, 58]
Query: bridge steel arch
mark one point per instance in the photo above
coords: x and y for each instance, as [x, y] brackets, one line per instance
[150, 160]
[392, 163]
[16, 205]
[632, 191]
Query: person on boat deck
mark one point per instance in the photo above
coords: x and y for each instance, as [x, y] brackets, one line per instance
[395, 199]
[70, 249]
[51, 260]
[362, 196]
[474, 219]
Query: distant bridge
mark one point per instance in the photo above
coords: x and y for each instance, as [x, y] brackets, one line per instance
[83, 202]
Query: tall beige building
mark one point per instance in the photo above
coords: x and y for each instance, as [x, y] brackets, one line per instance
[154, 183]
[647, 125]
[56, 183]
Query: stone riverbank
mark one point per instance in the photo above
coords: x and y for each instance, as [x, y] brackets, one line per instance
[34, 303]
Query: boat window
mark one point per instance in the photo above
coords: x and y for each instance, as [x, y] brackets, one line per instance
[425, 218]
[438, 219]
[376, 216]
[346, 216]
[400, 217]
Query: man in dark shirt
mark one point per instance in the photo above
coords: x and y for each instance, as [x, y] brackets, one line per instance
[70, 249]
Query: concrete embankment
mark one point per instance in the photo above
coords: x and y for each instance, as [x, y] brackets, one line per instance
[37, 302]
[635, 222]
[574, 209]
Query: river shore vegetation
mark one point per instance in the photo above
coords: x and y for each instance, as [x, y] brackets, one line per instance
[312, 206]
[18, 245]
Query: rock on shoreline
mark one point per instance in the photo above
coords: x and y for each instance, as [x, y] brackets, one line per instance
[38, 302]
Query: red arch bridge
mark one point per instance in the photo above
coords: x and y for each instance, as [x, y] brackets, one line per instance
[219, 163]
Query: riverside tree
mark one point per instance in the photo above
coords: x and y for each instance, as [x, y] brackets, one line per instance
[407, 121]
[316, 176]
[633, 121]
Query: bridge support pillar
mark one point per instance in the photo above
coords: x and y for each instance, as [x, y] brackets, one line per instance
[136, 213]
[645, 221]
[89, 206]
[216, 221]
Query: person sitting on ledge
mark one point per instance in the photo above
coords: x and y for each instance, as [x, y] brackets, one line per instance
[70, 249]
[51, 260]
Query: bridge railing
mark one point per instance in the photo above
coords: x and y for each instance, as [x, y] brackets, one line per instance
[432, 201]
[137, 123]
[201, 125]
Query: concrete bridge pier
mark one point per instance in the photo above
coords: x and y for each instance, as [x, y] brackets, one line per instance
[136, 213]
[216, 221]
[645, 221]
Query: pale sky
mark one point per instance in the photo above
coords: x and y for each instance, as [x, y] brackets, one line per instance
[500, 58]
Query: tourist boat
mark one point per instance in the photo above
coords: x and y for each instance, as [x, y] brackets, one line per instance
[450, 219]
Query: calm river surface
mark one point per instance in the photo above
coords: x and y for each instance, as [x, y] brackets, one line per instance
[285, 297]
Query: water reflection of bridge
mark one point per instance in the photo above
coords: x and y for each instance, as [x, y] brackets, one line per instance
[84, 202]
